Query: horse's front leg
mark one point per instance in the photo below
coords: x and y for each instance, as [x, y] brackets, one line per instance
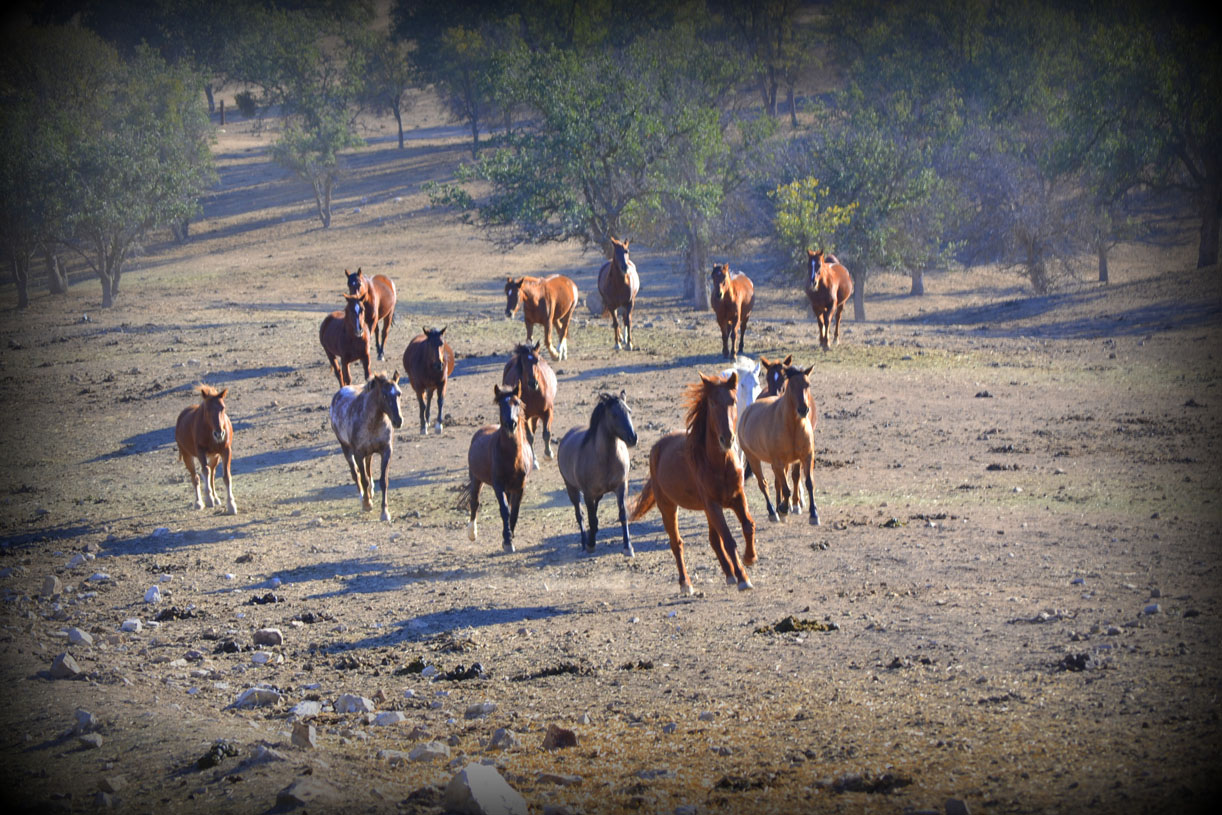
[575, 497]
[615, 327]
[756, 466]
[515, 503]
[365, 365]
[781, 478]
[424, 413]
[739, 507]
[724, 547]
[726, 339]
[628, 329]
[339, 370]
[547, 434]
[531, 424]
[189, 461]
[742, 333]
[839, 313]
[592, 513]
[366, 467]
[382, 482]
[506, 531]
[621, 494]
[808, 467]
[547, 337]
[208, 474]
[232, 505]
[441, 402]
[472, 525]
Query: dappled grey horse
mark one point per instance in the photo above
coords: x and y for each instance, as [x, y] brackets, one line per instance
[594, 461]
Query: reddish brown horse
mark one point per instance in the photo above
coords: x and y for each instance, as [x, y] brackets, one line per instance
[828, 288]
[498, 457]
[617, 286]
[204, 433]
[429, 361]
[546, 301]
[774, 385]
[698, 469]
[780, 430]
[538, 392]
[733, 298]
[345, 339]
[378, 297]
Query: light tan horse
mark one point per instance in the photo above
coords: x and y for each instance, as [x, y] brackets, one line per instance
[829, 286]
[618, 284]
[698, 469]
[780, 431]
[204, 433]
[546, 301]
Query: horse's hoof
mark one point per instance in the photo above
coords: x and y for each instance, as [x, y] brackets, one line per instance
[814, 520]
[232, 509]
[731, 580]
[439, 428]
[472, 530]
[385, 515]
[507, 546]
[199, 504]
[588, 547]
[424, 431]
[772, 516]
[628, 552]
[685, 589]
[748, 560]
[744, 585]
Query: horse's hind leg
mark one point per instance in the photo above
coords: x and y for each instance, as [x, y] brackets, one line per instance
[780, 476]
[547, 337]
[575, 497]
[382, 482]
[621, 493]
[592, 514]
[472, 525]
[208, 465]
[366, 467]
[808, 470]
[670, 523]
[628, 329]
[506, 530]
[742, 333]
[839, 312]
[744, 519]
[189, 461]
[232, 505]
[350, 457]
[424, 413]
[756, 466]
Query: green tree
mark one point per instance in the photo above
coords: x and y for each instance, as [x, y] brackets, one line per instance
[803, 221]
[769, 33]
[391, 75]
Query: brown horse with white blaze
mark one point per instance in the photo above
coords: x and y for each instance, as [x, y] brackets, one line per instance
[780, 430]
[345, 339]
[379, 298]
[733, 298]
[618, 284]
[429, 361]
[699, 470]
[498, 456]
[829, 286]
[204, 433]
[546, 301]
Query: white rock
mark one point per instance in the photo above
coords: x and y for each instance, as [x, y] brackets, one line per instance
[478, 789]
[86, 722]
[65, 667]
[261, 657]
[306, 707]
[394, 757]
[389, 717]
[480, 709]
[98, 577]
[160, 531]
[429, 751]
[77, 560]
[350, 703]
[51, 586]
[504, 739]
[132, 626]
[304, 735]
[257, 697]
[153, 595]
[78, 637]
[268, 636]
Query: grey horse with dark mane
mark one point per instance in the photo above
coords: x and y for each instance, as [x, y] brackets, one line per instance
[594, 461]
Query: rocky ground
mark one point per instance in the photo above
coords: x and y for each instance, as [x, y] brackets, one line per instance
[1012, 604]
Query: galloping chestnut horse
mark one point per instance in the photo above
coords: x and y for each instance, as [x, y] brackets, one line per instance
[378, 297]
[828, 288]
[697, 469]
[733, 298]
[204, 432]
[361, 417]
[594, 461]
[345, 339]
[429, 361]
[538, 393]
[546, 301]
[617, 285]
[774, 385]
[498, 456]
[780, 430]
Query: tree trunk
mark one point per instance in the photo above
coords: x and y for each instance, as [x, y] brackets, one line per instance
[859, 295]
[57, 278]
[793, 107]
[918, 282]
[108, 296]
[1207, 252]
[1101, 249]
[696, 285]
[211, 100]
[21, 277]
[399, 121]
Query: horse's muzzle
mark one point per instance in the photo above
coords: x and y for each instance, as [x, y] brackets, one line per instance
[219, 436]
[727, 441]
[631, 440]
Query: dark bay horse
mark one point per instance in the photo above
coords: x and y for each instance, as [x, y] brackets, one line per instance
[379, 298]
[617, 286]
[780, 430]
[204, 433]
[345, 339]
[594, 461]
[733, 297]
[498, 457]
[697, 470]
[362, 417]
[546, 301]
[829, 286]
[429, 361]
[538, 392]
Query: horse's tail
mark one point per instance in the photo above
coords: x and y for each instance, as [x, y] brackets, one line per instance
[644, 502]
[463, 504]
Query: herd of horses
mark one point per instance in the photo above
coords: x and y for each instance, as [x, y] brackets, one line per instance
[754, 418]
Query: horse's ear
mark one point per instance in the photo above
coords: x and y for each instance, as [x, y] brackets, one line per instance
[732, 381]
[788, 360]
[496, 392]
[222, 394]
[763, 362]
[537, 343]
[808, 370]
[810, 253]
[623, 397]
[442, 331]
[394, 378]
[517, 389]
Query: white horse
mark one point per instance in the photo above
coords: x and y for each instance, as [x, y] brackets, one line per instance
[749, 384]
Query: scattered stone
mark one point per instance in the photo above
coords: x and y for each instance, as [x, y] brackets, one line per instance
[349, 703]
[112, 783]
[956, 807]
[86, 722]
[792, 624]
[479, 710]
[77, 636]
[562, 779]
[270, 597]
[268, 636]
[584, 719]
[65, 667]
[306, 707]
[218, 752]
[104, 800]
[984, 395]
[77, 560]
[558, 738]
[393, 757]
[1156, 592]
[90, 741]
[153, 595]
[1153, 608]
[660, 772]
[98, 577]
[257, 697]
[176, 613]
[389, 717]
[706, 716]
[670, 727]
[131, 626]
[308, 790]
[429, 751]
[478, 789]
[504, 739]
[51, 586]
[1077, 662]
[476, 671]
[304, 735]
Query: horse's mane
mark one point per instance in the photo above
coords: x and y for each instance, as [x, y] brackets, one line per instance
[207, 391]
[695, 399]
[596, 417]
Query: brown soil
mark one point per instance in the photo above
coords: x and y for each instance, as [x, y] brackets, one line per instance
[988, 561]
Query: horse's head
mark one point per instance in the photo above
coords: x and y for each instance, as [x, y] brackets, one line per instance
[797, 389]
[386, 390]
[509, 406]
[720, 278]
[513, 295]
[619, 255]
[774, 374]
[213, 410]
[353, 312]
[815, 259]
[720, 397]
[434, 345]
[356, 281]
[618, 416]
[528, 365]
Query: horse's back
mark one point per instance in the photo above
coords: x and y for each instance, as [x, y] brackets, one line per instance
[184, 428]
[386, 290]
[670, 469]
[341, 414]
[757, 422]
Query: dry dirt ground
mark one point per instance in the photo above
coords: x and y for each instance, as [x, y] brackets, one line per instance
[1018, 562]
